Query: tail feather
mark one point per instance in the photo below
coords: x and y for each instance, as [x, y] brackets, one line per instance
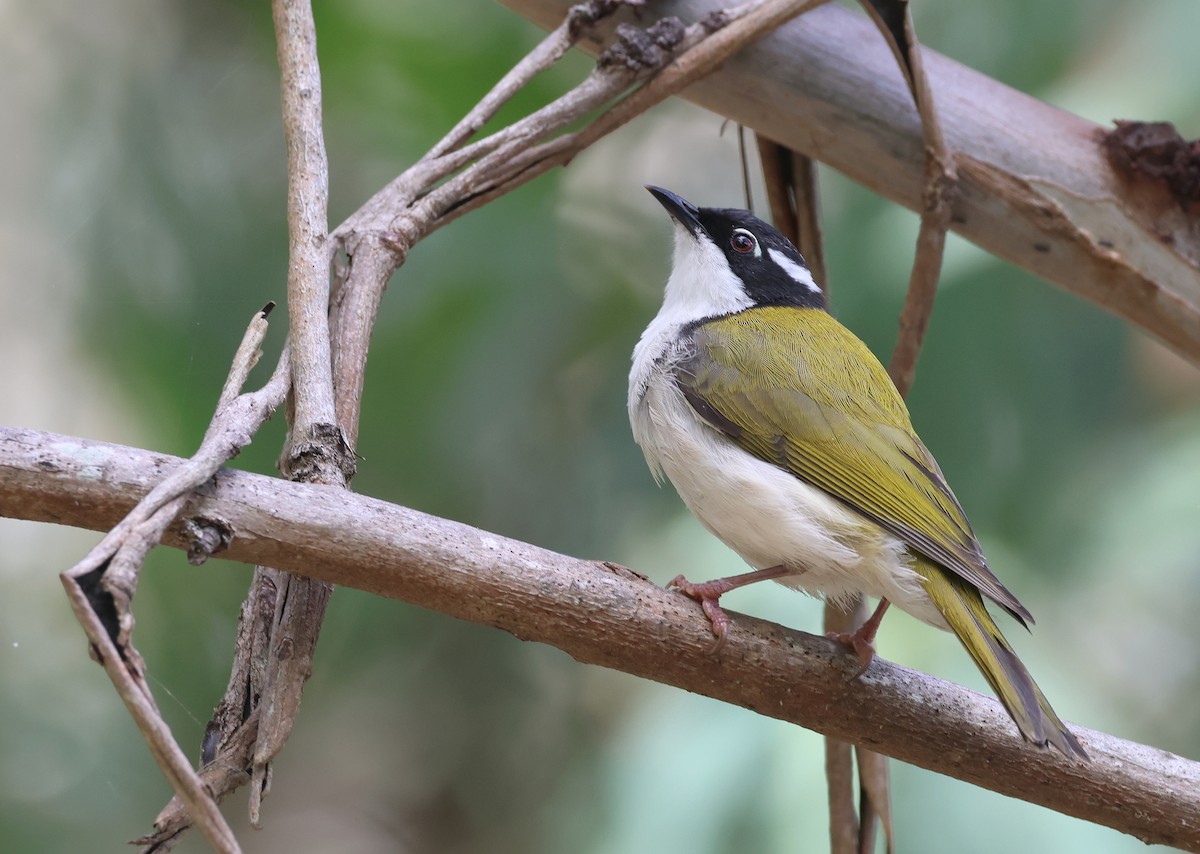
[962, 606]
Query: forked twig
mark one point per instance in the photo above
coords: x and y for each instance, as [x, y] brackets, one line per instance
[102, 585]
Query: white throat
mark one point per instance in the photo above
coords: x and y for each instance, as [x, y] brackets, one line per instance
[701, 285]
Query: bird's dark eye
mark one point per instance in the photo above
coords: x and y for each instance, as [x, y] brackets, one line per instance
[743, 241]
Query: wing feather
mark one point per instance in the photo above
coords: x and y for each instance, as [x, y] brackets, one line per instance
[854, 439]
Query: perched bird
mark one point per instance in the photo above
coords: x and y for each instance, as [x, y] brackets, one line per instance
[786, 437]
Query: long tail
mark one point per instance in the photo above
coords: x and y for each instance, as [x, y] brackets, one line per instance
[962, 606]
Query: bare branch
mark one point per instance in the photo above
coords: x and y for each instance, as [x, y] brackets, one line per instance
[845, 828]
[310, 251]
[614, 618]
[544, 56]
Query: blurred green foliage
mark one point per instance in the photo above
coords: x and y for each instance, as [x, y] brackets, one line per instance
[144, 214]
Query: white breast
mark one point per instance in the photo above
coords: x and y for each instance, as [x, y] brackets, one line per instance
[765, 514]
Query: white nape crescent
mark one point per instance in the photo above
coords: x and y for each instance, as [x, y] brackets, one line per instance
[801, 275]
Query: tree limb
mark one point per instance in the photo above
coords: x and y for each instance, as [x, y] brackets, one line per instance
[309, 248]
[1036, 184]
[606, 615]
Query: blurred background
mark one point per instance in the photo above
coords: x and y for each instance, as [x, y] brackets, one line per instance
[142, 190]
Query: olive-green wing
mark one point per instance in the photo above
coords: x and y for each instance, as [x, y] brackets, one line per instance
[842, 428]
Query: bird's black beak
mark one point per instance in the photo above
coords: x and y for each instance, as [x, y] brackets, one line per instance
[680, 209]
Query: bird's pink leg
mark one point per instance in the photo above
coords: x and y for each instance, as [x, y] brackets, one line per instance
[708, 593]
[862, 639]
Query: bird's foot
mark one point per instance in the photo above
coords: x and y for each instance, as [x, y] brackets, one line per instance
[862, 639]
[864, 648]
[708, 594]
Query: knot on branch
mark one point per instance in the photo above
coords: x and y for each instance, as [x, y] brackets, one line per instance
[715, 20]
[1158, 152]
[205, 537]
[941, 189]
[636, 49]
[323, 456]
[584, 16]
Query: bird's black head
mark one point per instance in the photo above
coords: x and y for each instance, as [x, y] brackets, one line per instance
[768, 268]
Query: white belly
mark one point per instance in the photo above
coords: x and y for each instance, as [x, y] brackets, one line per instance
[769, 516]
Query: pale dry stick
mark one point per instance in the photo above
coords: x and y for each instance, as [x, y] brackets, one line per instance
[403, 215]
[133, 691]
[578, 19]
[611, 617]
[846, 827]
[688, 67]
[309, 249]
[446, 157]
[236, 419]
[102, 585]
[316, 449]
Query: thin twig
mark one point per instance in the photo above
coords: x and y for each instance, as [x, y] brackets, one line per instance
[752, 22]
[310, 251]
[846, 827]
[316, 449]
[894, 20]
[380, 212]
[579, 20]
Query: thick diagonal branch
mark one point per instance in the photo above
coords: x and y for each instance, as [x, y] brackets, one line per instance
[615, 618]
[1036, 184]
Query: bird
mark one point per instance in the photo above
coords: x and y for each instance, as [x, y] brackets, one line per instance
[787, 439]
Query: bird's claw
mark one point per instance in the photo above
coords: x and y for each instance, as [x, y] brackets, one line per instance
[707, 593]
[863, 648]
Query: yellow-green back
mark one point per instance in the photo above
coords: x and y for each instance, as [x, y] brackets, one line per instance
[816, 401]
